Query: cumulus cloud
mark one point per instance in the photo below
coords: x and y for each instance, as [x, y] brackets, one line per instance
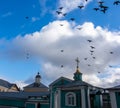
[46, 46]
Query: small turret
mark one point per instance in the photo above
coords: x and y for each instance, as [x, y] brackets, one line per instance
[37, 79]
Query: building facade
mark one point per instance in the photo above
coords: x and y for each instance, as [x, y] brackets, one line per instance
[6, 86]
[115, 96]
[67, 93]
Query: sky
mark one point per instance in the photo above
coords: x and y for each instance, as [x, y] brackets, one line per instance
[46, 36]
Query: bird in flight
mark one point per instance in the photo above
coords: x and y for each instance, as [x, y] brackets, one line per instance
[89, 40]
[81, 6]
[62, 50]
[27, 17]
[60, 8]
[85, 58]
[72, 19]
[96, 9]
[62, 66]
[100, 3]
[58, 12]
[79, 28]
[92, 47]
[111, 52]
[116, 2]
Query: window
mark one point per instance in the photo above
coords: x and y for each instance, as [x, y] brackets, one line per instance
[70, 99]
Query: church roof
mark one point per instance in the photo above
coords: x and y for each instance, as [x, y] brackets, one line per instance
[77, 84]
[33, 85]
[115, 88]
[6, 83]
[59, 79]
[21, 95]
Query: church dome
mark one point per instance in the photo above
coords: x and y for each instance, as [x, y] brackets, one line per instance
[38, 75]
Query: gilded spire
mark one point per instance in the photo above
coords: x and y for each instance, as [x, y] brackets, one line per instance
[77, 61]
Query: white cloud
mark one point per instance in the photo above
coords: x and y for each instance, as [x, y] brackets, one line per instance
[46, 46]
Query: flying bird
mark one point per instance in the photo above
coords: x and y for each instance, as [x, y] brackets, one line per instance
[103, 10]
[60, 8]
[81, 6]
[100, 3]
[96, 9]
[64, 14]
[62, 66]
[79, 28]
[110, 66]
[116, 2]
[92, 47]
[61, 24]
[72, 19]
[58, 12]
[111, 52]
[89, 65]
[85, 58]
[27, 17]
[89, 40]
[62, 50]
[91, 51]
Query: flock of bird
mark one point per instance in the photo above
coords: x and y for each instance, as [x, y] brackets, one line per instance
[102, 8]
[92, 55]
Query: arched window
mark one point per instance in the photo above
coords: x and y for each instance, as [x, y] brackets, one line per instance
[70, 99]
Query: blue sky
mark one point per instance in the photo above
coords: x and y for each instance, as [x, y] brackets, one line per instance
[33, 28]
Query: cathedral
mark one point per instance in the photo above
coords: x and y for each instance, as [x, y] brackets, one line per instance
[62, 93]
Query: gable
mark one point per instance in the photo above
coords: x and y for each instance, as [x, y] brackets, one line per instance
[61, 81]
[14, 87]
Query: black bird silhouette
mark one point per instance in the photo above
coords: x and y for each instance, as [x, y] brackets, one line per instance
[110, 66]
[98, 72]
[27, 17]
[92, 47]
[60, 8]
[100, 3]
[58, 12]
[62, 66]
[80, 6]
[116, 2]
[61, 24]
[89, 65]
[94, 57]
[103, 10]
[91, 51]
[85, 58]
[111, 52]
[89, 40]
[64, 14]
[62, 50]
[79, 28]
[96, 9]
[72, 19]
